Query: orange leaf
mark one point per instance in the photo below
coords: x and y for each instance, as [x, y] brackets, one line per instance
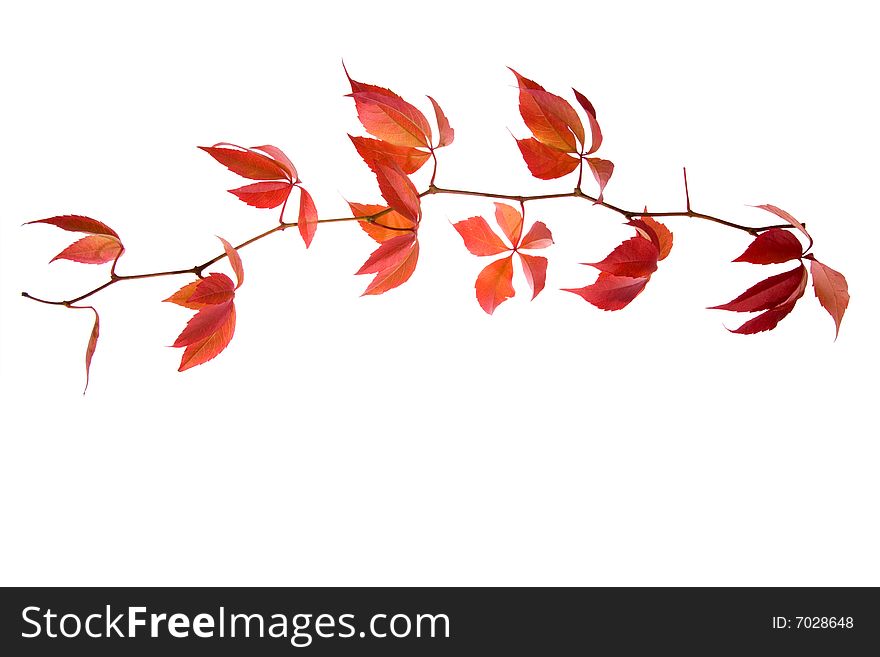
[602, 170]
[591, 116]
[392, 119]
[831, 289]
[479, 238]
[511, 222]
[92, 345]
[393, 263]
[611, 292]
[653, 230]
[92, 250]
[551, 119]
[391, 219]
[283, 161]
[78, 224]
[494, 284]
[234, 261]
[398, 190]
[205, 323]
[544, 162]
[269, 194]
[538, 237]
[409, 159]
[308, 217]
[447, 134]
[245, 162]
[535, 269]
[211, 290]
[634, 258]
[204, 350]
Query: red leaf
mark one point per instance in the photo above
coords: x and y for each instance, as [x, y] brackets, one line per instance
[205, 323]
[544, 162]
[398, 190]
[634, 258]
[766, 321]
[393, 263]
[782, 214]
[245, 162]
[308, 217]
[535, 269]
[377, 230]
[92, 250]
[591, 116]
[773, 246]
[653, 230]
[204, 350]
[264, 194]
[409, 159]
[392, 119]
[91, 346]
[78, 224]
[510, 221]
[494, 284]
[212, 290]
[831, 290]
[363, 86]
[769, 293]
[479, 238]
[447, 134]
[538, 237]
[551, 119]
[278, 155]
[234, 261]
[611, 292]
[602, 170]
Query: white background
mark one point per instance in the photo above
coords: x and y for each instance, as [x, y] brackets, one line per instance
[410, 438]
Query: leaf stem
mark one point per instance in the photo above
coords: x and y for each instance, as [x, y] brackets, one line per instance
[432, 189]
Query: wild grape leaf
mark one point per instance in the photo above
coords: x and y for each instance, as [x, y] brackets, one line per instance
[78, 224]
[398, 191]
[538, 237]
[602, 170]
[92, 345]
[447, 134]
[479, 238]
[552, 120]
[234, 261]
[595, 131]
[383, 228]
[101, 245]
[831, 289]
[769, 293]
[494, 284]
[544, 162]
[213, 289]
[393, 263]
[611, 292]
[247, 162]
[535, 270]
[392, 119]
[635, 258]
[782, 214]
[269, 194]
[206, 335]
[409, 159]
[307, 221]
[655, 231]
[773, 246]
[766, 321]
[92, 250]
